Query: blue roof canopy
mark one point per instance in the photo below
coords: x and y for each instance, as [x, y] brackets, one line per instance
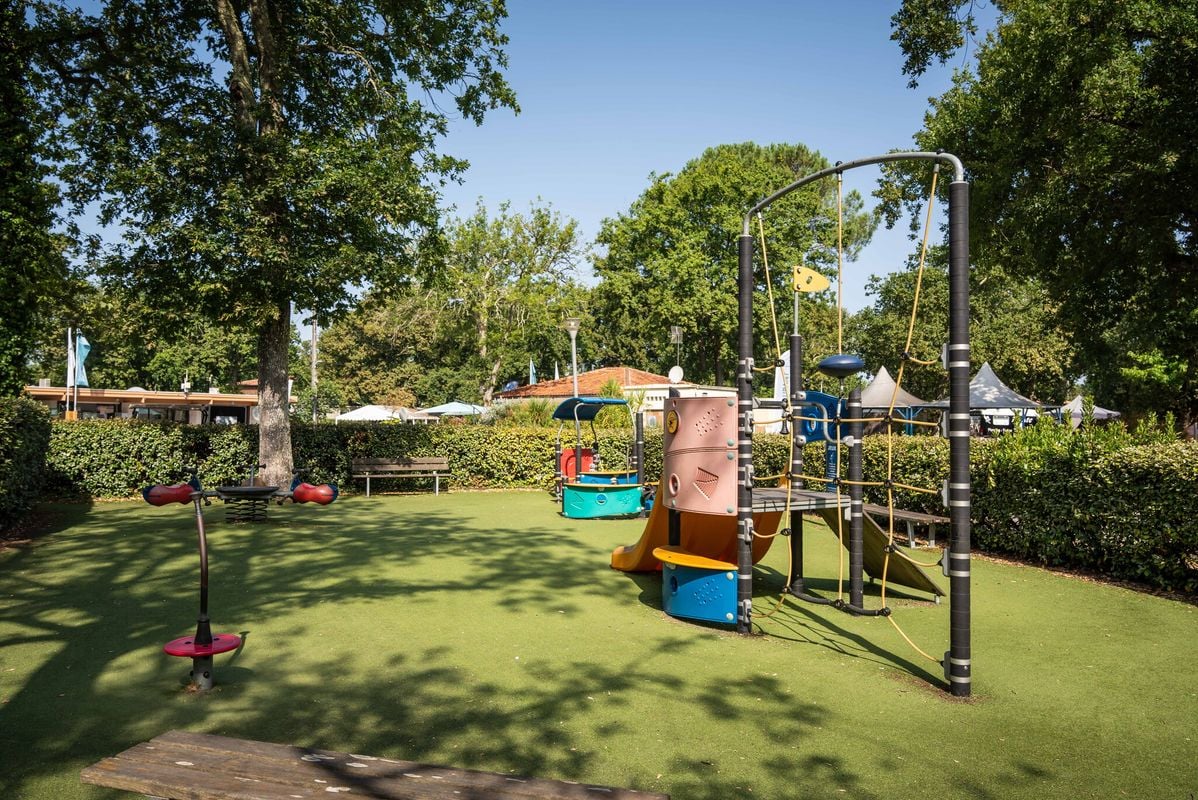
[587, 407]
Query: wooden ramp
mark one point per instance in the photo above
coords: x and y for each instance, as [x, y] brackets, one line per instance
[902, 569]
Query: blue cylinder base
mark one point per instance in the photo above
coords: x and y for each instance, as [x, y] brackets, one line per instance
[696, 593]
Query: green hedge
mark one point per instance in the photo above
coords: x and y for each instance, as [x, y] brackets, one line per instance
[1120, 503]
[24, 442]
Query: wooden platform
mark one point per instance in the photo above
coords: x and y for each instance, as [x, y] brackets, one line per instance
[881, 515]
[774, 499]
[196, 766]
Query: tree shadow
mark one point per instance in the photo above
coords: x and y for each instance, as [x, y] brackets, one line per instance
[99, 601]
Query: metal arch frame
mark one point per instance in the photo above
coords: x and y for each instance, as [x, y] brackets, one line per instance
[957, 661]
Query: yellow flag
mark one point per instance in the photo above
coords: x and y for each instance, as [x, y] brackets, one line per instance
[808, 280]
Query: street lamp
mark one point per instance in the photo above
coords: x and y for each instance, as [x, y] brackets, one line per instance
[572, 324]
[676, 340]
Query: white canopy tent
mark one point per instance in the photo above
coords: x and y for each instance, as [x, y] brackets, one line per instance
[453, 409]
[1072, 412]
[373, 414]
[880, 391]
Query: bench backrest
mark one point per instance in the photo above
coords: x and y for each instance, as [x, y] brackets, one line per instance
[419, 464]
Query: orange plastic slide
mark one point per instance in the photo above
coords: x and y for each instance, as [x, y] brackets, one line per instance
[702, 534]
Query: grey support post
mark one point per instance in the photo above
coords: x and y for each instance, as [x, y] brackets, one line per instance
[744, 393]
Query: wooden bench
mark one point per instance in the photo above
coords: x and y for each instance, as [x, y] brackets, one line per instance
[435, 468]
[881, 515]
[196, 766]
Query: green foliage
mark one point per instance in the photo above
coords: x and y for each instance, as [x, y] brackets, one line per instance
[494, 304]
[1013, 325]
[137, 341]
[114, 458]
[671, 259]
[1100, 498]
[264, 155]
[533, 413]
[31, 258]
[24, 442]
[1075, 128]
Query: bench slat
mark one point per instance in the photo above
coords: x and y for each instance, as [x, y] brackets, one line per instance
[913, 516]
[193, 766]
[374, 463]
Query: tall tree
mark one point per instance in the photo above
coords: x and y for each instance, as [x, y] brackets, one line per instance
[31, 257]
[1013, 325]
[507, 276]
[671, 259]
[261, 153]
[504, 286]
[1076, 128]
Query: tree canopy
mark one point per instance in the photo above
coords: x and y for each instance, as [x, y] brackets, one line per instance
[31, 257]
[258, 154]
[494, 304]
[671, 258]
[1076, 129]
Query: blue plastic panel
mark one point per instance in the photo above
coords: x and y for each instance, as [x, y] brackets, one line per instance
[703, 594]
[595, 501]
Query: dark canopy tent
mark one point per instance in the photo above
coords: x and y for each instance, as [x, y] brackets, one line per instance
[987, 391]
[995, 405]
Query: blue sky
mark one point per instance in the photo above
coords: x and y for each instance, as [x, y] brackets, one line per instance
[612, 90]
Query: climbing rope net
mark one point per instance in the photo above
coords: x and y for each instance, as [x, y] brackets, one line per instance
[837, 481]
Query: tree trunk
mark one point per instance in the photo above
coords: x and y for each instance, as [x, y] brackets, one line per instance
[488, 392]
[274, 431]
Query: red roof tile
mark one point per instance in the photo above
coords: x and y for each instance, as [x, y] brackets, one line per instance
[589, 383]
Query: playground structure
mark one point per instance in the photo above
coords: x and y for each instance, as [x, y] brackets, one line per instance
[708, 473]
[204, 644]
[596, 493]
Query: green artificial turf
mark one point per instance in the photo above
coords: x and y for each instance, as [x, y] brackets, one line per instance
[482, 630]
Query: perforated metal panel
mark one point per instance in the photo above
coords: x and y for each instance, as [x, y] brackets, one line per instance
[699, 464]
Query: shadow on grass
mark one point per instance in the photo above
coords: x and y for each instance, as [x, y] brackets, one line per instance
[121, 581]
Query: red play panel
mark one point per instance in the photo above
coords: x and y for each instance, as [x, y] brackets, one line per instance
[186, 646]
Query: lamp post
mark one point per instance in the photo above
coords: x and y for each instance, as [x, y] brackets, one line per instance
[572, 324]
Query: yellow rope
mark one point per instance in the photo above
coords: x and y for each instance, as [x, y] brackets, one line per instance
[838, 482]
[923, 252]
[848, 482]
[914, 646]
[909, 487]
[769, 285]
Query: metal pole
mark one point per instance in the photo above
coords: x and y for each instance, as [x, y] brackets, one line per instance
[744, 393]
[577, 423]
[203, 628]
[957, 661]
[314, 395]
[574, 359]
[674, 516]
[797, 440]
[638, 453]
[856, 514]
